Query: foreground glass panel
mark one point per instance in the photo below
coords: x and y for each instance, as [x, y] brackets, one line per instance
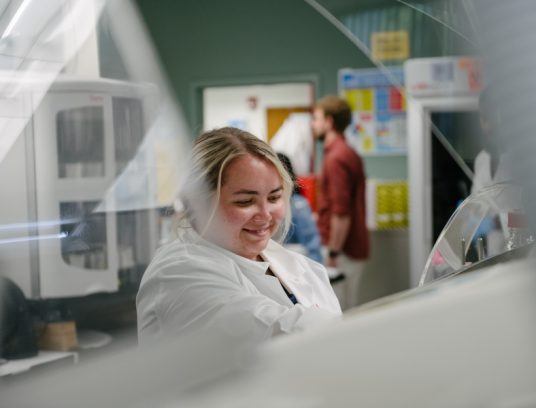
[485, 225]
[84, 123]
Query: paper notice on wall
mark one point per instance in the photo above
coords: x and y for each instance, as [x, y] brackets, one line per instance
[360, 99]
[361, 134]
[390, 45]
[387, 204]
[390, 132]
[378, 107]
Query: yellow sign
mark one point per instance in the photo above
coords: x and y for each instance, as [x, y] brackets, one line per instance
[391, 205]
[390, 45]
[360, 99]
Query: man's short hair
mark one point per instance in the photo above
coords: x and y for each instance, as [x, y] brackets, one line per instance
[338, 109]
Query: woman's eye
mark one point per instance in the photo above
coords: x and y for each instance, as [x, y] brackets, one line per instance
[274, 199]
[244, 203]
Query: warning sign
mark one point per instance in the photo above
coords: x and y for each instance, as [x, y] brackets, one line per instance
[390, 45]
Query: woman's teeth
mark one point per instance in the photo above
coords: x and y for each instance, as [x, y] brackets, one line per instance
[258, 231]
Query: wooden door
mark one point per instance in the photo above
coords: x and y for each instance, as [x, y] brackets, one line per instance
[275, 117]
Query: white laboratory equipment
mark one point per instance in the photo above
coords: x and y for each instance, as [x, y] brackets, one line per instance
[437, 89]
[64, 232]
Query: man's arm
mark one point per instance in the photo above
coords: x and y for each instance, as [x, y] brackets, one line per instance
[339, 227]
[340, 191]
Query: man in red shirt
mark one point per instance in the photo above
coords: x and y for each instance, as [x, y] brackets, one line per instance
[341, 210]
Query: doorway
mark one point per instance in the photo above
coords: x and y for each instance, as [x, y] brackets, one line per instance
[259, 109]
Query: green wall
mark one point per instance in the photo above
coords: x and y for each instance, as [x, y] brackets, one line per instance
[230, 42]
[224, 42]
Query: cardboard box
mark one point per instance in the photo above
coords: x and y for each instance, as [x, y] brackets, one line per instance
[59, 336]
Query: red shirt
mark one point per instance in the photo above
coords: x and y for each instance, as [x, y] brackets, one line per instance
[342, 192]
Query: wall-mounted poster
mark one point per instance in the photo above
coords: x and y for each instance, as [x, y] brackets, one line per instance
[389, 45]
[378, 110]
[387, 204]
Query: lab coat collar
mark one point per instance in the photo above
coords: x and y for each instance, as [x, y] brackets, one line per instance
[284, 265]
[189, 234]
[289, 270]
[278, 256]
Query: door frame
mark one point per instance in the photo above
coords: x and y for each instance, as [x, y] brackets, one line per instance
[419, 133]
[196, 90]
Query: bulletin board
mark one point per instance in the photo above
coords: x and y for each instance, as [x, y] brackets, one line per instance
[378, 110]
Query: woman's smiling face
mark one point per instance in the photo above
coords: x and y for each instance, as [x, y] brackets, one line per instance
[251, 206]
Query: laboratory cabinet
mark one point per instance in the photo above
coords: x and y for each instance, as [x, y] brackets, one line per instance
[73, 155]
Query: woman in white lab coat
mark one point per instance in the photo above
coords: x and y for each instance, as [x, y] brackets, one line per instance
[223, 273]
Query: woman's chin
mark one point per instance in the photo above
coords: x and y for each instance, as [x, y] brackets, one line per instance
[253, 249]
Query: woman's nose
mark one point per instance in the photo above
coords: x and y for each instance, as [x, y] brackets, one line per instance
[263, 212]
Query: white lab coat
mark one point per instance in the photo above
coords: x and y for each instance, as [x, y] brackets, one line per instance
[482, 171]
[192, 284]
[295, 139]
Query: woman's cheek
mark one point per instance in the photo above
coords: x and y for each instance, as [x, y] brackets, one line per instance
[237, 216]
[280, 211]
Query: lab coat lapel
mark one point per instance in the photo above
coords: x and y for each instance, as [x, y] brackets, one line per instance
[270, 286]
[256, 273]
[290, 272]
[266, 284]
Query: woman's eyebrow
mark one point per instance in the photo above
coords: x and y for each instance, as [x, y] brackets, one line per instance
[246, 192]
[254, 192]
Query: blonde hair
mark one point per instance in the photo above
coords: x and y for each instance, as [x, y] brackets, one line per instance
[212, 152]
